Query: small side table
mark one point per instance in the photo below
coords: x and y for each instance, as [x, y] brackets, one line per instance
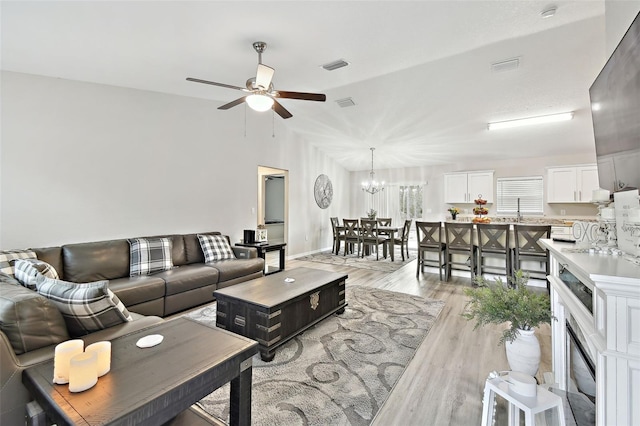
[263, 248]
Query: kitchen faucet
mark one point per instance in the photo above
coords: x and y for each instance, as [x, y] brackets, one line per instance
[518, 215]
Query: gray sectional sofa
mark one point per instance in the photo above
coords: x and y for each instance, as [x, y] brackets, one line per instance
[31, 325]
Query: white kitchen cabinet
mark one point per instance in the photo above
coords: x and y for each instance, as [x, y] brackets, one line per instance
[464, 187]
[571, 184]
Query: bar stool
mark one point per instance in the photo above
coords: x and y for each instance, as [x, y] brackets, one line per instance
[528, 249]
[459, 239]
[543, 401]
[430, 240]
[493, 242]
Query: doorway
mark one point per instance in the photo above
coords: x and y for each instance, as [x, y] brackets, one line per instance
[273, 202]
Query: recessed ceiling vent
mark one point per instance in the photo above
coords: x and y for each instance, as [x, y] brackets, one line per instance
[345, 102]
[335, 65]
[506, 65]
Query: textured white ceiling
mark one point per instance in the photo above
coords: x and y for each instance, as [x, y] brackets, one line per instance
[420, 71]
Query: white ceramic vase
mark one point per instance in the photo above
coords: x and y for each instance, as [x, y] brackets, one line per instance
[523, 353]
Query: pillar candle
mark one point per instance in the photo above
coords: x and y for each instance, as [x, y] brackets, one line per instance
[103, 351]
[83, 371]
[63, 354]
[600, 195]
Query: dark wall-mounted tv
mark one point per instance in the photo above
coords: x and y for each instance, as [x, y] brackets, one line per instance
[615, 109]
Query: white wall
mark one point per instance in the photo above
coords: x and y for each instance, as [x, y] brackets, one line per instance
[618, 17]
[85, 162]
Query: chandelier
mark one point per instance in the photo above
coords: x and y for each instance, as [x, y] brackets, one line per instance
[372, 186]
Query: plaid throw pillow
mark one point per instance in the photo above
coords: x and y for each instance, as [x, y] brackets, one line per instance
[7, 256]
[149, 255]
[27, 270]
[85, 307]
[215, 247]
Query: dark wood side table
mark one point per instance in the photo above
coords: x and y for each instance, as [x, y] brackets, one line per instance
[263, 248]
[152, 386]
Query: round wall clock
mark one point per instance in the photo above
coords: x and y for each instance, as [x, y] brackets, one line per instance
[323, 191]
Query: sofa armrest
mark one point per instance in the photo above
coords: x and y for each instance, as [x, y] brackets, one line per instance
[245, 252]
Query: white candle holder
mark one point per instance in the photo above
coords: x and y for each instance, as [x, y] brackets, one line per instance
[62, 359]
[83, 371]
[103, 352]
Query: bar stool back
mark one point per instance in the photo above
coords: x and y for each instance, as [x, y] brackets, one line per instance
[528, 249]
[430, 239]
[493, 243]
[460, 241]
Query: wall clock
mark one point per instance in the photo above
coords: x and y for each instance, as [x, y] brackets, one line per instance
[323, 191]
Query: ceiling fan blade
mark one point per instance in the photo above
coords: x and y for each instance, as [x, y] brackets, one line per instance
[234, 103]
[264, 74]
[213, 83]
[282, 111]
[300, 95]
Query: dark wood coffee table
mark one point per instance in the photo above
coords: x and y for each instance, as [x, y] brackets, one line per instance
[152, 386]
[272, 311]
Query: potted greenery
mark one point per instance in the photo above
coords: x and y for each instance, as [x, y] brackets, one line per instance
[497, 303]
[371, 214]
[454, 212]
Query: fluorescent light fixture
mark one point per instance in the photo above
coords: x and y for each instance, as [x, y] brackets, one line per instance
[552, 118]
[259, 102]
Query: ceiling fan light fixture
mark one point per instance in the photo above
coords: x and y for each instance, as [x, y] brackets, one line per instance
[259, 102]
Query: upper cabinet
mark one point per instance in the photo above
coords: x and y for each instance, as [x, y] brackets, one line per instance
[571, 184]
[464, 187]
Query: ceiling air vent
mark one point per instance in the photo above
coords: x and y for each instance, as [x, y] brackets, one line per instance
[506, 65]
[345, 102]
[335, 65]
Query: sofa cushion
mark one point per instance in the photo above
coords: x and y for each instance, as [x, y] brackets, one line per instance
[215, 247]
[29, 320]
[149, 255]
[136, 290]
[188, 277]
[27, 270]
[53, 256]
[86, 307]
[102, 260]
[8, 256]
[236, 268]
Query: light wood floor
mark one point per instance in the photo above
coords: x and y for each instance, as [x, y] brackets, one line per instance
[444, 382]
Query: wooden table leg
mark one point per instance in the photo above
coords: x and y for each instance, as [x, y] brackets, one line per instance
[391, 243]
[240, 396]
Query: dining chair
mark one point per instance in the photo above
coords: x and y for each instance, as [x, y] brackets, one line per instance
[384, 221]
[527, 249]
[337, 235]
[351, 235]
[494, 243]
[369, 236]
[402, 240]
[430, 239]
[460, 242]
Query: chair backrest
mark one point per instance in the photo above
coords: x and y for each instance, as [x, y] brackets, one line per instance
[527, 237]
[405, 230]
[350, 228]
[368, 229]
[459, 236]
[334, 225]
[429, 234]
[384, 221]
[493, 237]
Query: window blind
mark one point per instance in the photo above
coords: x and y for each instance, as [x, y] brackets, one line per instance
[529, 190]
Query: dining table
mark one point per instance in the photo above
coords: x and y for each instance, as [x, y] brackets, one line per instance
[387, 230]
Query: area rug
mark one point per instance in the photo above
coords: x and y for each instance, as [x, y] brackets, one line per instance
[340, 371]
[368, 262]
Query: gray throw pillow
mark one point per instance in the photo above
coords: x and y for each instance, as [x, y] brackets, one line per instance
[149, 255]
[27, 270]
[86, 307]
[215, 247]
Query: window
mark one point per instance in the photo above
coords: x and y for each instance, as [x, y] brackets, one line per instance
[521, 193]
[410, 201]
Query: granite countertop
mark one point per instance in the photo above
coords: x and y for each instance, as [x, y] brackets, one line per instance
[529, 220]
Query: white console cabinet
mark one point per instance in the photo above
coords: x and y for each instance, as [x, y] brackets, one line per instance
[571, 184]
[464, 187]
[611, 328]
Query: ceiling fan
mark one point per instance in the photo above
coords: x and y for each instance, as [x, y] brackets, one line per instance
[262, 95]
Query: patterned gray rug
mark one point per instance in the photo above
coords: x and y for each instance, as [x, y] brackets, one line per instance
[368, 262]
[340, 371]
